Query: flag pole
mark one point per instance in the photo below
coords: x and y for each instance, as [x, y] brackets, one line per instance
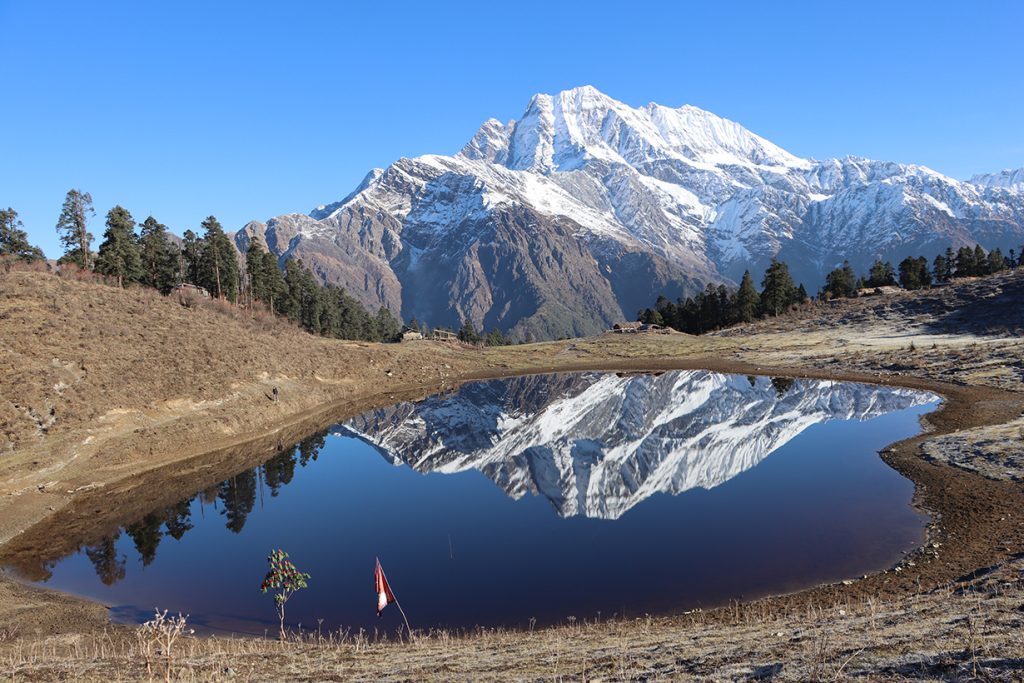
[404, 618]
[397, 604]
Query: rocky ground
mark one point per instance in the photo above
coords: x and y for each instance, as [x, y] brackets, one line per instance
[104, 390]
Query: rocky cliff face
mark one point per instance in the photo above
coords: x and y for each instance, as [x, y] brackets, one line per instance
[585, 209]
[597, 445]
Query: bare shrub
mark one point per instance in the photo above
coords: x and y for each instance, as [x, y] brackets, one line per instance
[11, 263]
[157, 637]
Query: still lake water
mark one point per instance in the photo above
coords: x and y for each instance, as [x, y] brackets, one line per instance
[542, 497]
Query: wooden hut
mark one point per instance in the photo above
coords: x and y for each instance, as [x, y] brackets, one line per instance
[444, 335]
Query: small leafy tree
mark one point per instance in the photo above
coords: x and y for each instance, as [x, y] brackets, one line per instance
[284, 579]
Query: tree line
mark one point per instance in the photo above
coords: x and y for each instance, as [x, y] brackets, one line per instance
[235, 498]
[718, 306]
[914, 272]
[209, 260]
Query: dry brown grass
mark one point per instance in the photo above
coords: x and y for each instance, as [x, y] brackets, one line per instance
[969, 630]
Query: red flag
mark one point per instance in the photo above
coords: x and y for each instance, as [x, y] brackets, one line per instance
[380, 583]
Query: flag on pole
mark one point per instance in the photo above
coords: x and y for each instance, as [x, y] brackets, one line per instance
[380, 583]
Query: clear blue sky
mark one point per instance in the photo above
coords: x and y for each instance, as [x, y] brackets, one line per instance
[249, 110]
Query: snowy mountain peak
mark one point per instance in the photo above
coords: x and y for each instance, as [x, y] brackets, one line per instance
[559, 132]
[490, 142]
[585, 209]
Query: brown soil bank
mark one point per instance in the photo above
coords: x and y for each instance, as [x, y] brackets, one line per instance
[105, 391]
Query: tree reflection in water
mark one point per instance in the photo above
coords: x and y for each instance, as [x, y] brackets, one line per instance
[234, 498]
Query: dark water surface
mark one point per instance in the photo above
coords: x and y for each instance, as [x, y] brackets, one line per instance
[542, 497]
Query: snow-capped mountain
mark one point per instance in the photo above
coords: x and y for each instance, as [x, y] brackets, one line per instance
[585, 209]
[597, 445]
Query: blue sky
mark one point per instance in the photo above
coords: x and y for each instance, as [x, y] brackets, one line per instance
[249, 110]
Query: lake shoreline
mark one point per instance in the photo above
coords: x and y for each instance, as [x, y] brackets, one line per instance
[966, 513]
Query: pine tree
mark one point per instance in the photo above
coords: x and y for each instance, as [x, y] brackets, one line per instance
[388, 328]
[72, 225]
[238, 495]
[841, 282]
[747, 300]
[254, 269]
[291, 296]
[109, 566]
[273, 285]
[495, 338]
[778, 290]
[159, 256]
[119, 253]
[310, 304]
[468, 332]
[880, 275]
[914, 273]
[966, 265]
[941, 268]
[14, 240]
[218, 265]
[996, 262]
[980, 260]
[146, 535]
[191, 248]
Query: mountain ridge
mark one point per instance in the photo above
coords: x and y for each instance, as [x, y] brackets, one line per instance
[585, 209]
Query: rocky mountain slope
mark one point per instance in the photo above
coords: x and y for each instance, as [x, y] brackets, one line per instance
[585, 209]
[597, 445]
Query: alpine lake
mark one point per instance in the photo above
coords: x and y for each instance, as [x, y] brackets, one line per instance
[528, 501]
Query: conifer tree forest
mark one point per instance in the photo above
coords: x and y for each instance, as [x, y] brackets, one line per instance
[148, 255]
[718, 306]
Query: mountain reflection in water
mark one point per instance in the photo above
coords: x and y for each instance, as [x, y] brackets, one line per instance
[465, 495]
[598, 445]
